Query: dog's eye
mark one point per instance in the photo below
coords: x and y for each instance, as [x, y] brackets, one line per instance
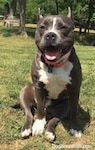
[42, 27]
[63, 27]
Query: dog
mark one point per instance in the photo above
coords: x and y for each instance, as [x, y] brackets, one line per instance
[56, 75]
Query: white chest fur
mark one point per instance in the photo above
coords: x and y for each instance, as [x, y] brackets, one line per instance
[56, 81]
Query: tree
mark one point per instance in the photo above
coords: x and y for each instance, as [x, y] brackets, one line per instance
[13, 7]
[22, 6]
[12, 11]
[57, 10]
[90, 10]
[6, 10]
[83, 11]
[9, 10]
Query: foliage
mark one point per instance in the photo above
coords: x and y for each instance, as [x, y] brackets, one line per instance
[80, 9]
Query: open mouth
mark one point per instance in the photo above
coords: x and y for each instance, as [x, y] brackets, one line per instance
[56, 57]
[52, 54]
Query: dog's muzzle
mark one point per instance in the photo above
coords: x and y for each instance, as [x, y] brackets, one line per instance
[54, 51]
[51, 38]
[51, 48]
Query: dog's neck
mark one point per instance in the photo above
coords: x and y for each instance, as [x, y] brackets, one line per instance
[58, 63]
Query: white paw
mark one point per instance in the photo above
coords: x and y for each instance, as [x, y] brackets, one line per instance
[49, 136]
[76, 133]
[26, 133]
[38, 126]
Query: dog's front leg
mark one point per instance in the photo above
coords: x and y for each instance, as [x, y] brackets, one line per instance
[50, 132]
[39, 124]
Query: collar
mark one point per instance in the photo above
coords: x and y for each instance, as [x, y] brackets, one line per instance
[58, 63]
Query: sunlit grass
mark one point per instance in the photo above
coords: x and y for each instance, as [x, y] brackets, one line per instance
[16, 55]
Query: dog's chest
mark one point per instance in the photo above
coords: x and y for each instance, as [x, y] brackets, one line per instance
[56, 81]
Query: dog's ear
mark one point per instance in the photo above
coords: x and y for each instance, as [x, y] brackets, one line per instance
[39, 14]
[69, 13]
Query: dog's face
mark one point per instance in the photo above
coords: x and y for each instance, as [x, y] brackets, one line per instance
[54, 36]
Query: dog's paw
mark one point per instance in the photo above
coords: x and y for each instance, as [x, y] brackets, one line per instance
[50, 136]
[38, 126]
[76, 133]
[25, 133]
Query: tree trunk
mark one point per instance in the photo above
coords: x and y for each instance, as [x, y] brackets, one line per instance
[57, 11]
[22, 6]
[12, 9]
[6, 10]
[89, 16]
[10, 12]
[80, 27]
[13, 6]
[87, 26]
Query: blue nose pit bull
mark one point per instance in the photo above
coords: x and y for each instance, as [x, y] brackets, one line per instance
[56, 75]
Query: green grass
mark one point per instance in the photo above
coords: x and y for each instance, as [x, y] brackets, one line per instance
[16, 55]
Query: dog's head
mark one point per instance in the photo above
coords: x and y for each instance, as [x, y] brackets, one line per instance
[54, 36]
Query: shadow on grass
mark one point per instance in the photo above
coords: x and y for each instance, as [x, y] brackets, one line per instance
[8, 32]
[84, 117]
[84, 39]
[84, 120]
[31, 32]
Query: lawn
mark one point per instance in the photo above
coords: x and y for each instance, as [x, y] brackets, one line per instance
[16, 55]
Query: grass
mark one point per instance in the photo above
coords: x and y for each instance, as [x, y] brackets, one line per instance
[16, 55]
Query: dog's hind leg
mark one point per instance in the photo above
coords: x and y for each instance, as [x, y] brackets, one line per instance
[50, 131]
[27, 103]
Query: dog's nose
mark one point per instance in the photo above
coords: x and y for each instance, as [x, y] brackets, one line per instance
[51, 36]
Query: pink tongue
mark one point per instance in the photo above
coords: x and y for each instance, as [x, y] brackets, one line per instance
[50, 55]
